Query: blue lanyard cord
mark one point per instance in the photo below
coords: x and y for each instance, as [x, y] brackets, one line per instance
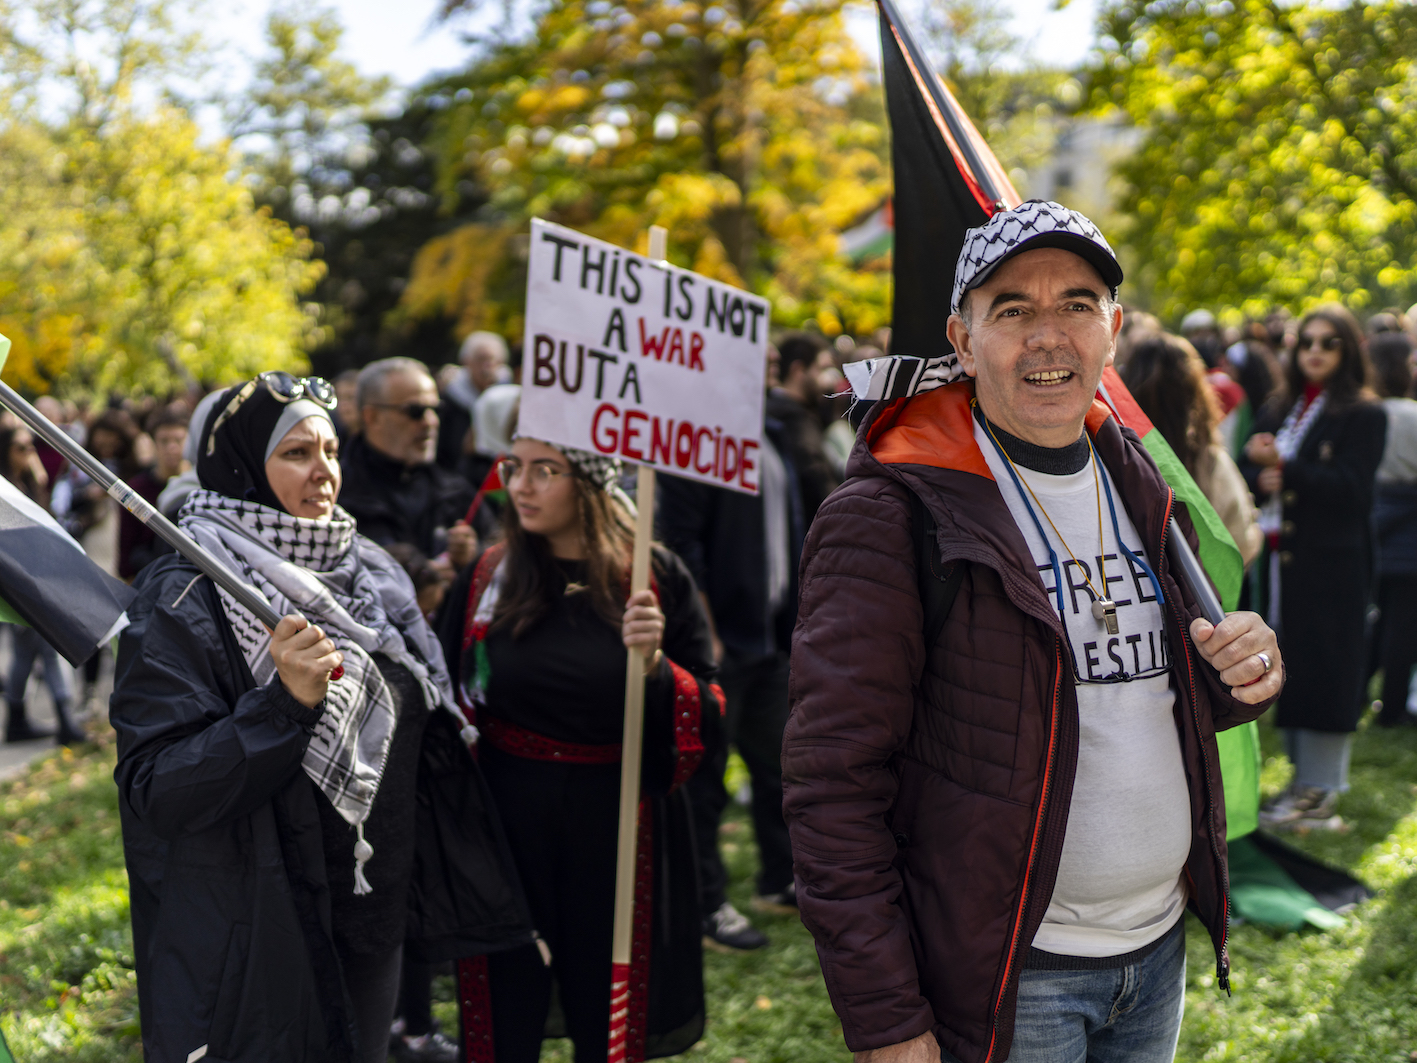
[1135, 558]
[1052, 555]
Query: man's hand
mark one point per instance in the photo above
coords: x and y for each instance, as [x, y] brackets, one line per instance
[462, 545]
[1270, 480]
[1233, 649]
[922, 1049]
[304, 659]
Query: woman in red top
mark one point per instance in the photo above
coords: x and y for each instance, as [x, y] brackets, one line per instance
[540, 647]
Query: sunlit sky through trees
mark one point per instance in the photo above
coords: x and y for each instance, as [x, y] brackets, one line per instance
[403, 41]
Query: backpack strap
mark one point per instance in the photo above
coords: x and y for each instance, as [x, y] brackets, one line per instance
[938, 588]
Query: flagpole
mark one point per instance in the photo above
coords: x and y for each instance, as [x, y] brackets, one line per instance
[1193, 575]
[927, 74]
[625, 1045]
[134, 503]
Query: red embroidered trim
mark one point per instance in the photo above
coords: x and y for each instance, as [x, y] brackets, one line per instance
[687, 721]
[619, 1011]
[481, 577]
[475, 1007]
[720, 697]
[637, 1022]
[519, 742]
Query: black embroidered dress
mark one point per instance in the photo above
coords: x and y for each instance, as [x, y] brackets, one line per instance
[551, 728]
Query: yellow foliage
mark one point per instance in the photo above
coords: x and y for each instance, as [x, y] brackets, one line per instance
[450, 274]
[750, 131]
[133, 260]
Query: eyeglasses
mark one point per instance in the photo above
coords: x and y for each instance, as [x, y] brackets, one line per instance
[1328, 343]
[414, 411]
[539, 473]
[283, 388]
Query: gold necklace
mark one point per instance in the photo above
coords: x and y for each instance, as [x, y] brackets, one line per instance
[1103, 608]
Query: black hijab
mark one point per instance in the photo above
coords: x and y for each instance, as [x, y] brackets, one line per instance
[236, 466]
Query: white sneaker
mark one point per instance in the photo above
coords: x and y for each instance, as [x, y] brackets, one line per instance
[728, 930]
[1303, 808]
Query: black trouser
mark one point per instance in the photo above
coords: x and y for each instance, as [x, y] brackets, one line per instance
[373, 984]
[1397, 598]
[416, 997]
[756, 692]
[562, 823]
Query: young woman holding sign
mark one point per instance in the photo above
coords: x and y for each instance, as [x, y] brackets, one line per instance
[540, 644]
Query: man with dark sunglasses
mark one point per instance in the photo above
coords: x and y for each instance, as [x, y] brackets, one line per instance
[391, 484]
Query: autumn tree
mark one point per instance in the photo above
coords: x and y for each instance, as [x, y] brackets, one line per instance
[749, 129]
[339, 155]
[132, 254]
[1279, 164]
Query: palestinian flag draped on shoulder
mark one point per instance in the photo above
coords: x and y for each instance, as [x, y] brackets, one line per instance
[47, 581]
[948, 181]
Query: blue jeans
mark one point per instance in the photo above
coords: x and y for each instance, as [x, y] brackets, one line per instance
[1127, 1015]
[29, 644]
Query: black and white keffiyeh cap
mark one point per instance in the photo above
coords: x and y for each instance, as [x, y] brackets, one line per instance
[1029, 226]
[597, 469]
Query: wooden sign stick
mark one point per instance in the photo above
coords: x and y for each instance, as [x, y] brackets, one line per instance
[620, 1041]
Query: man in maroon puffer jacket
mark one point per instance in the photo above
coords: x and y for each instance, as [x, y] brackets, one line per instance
[996, 836]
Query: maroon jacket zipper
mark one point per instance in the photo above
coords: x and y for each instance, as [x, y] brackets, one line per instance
[1044, 793]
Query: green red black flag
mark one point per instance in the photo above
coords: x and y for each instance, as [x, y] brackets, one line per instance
[946, 182]
[48, 583]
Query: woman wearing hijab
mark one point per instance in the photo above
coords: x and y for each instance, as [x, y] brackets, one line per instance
[540, 640]
[292, 800]
[1311, 463]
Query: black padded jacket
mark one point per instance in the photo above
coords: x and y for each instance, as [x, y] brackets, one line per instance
[226, 866]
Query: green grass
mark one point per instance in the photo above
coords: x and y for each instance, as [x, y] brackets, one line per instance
[67, 988]
[1349, 995]
[1343, 996]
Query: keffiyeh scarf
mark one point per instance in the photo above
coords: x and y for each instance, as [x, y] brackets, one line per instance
[901, 376]
[1287, 441]
[365, 604]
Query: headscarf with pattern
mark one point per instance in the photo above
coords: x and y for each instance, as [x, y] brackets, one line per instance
[338, 580]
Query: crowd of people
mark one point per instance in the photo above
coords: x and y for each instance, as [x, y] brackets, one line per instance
[307, 788]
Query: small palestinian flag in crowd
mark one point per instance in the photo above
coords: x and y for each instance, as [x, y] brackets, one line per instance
[47, 581]
[492, 488]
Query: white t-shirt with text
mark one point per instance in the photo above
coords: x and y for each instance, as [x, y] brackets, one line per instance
[1119, 885]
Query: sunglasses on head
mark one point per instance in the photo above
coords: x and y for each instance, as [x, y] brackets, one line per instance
[1328, 343]
[414, 411]
[283, 388]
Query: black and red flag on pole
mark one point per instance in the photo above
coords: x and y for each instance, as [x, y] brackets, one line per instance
[946, 181]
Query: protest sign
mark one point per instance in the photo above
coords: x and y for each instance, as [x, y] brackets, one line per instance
[633, 357]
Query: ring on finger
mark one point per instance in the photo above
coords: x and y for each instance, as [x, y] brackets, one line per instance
[1265, 660]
